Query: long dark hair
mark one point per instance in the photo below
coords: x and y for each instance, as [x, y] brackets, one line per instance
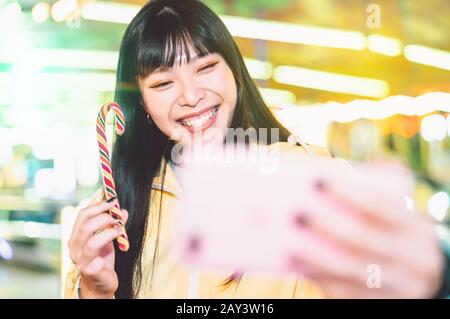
[161, 31]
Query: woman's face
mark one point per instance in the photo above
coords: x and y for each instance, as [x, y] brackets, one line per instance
[195, 97]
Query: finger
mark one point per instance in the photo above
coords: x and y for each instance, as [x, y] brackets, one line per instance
[324, 259]
[331, 219]
[94, 245]
[373, 193]
[92, 226]
[93, 210]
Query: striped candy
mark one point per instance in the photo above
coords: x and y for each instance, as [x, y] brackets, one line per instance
[108, 181]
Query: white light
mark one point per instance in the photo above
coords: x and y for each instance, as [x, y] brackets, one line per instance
[6, 153]
[62, 9]
[32, 229]
[40, 12]
[295, 119]
[12, 10]
[428, 56]
[438, 205]
[258, 69]
[448, 125]
[41, 230]
[277, 98]
[432, 101]
[87, 157]
[12, 27]
[64, 173]
[6, 251]
[84, 81]
[69, 210]
[109, 12]
[294, 33]
[43, 151]
[44, 181]
[384, 45]
[409, 203]
[433, 128]
[243, 27]
[331, 81]
[82, 59]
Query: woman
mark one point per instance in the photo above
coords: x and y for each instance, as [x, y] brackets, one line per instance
[179, 68]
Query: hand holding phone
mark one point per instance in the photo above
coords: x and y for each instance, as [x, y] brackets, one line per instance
[235, 216]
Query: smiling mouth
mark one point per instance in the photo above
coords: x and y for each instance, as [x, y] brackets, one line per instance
[200, 121]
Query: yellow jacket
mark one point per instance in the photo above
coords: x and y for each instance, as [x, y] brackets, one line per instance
[170, 280]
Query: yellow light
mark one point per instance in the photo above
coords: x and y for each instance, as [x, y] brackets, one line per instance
[258, 69]
[40, 12]
[428, 56]
[384, 45]
[333, 82]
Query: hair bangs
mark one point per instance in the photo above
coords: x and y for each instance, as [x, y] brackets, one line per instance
[168, 40]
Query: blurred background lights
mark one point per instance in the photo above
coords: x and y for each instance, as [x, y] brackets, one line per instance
[438, 205]
[427, 56]
[32, 229]
[448, 125]
[44, 181]
[6, 153]
[41, 12]
[12, 11]
[409, 203]
[434, 127]
[258, 69]
[6, 251]
[329, 81]
[384, 45]
[62, 9]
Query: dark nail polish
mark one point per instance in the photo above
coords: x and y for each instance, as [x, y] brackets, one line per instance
[320, 185]
[111, 199]
[194, 243]
[300, 219]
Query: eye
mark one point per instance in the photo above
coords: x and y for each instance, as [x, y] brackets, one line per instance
[161, 84]
[209, 66]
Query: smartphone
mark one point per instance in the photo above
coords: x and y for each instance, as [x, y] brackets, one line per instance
[241, 212]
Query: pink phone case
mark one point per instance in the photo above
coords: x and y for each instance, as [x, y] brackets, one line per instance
[237, 215]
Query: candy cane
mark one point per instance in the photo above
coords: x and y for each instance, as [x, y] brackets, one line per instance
[108, 181]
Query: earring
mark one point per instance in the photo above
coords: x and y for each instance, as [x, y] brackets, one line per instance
[149, 119]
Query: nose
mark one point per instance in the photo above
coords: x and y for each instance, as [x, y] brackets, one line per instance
[190, 94]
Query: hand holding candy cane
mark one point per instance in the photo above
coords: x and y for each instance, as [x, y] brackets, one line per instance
[108, 181]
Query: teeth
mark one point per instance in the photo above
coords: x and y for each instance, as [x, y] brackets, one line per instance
[201, 120]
